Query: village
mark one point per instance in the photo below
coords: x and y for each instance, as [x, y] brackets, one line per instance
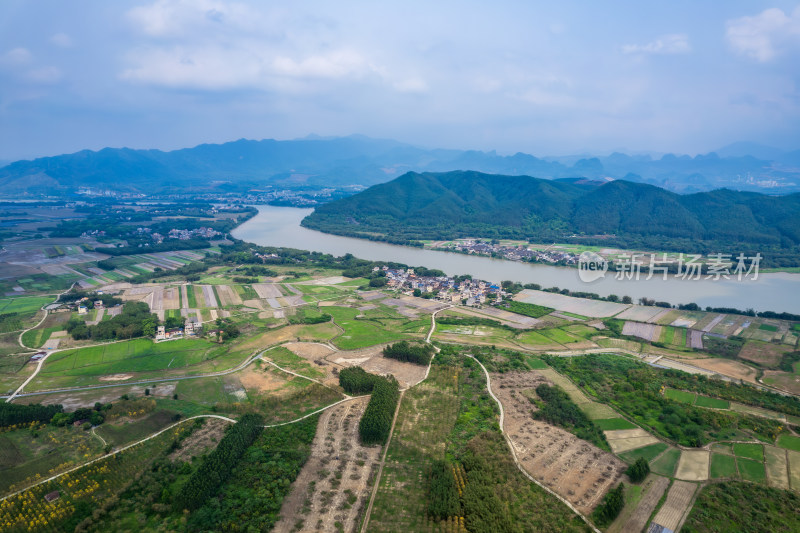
[518, 252]
[470, 292]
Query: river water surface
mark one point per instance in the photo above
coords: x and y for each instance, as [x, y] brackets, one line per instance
[280, 226]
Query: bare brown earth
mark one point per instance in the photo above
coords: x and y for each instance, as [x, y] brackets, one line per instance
[76, 399]
[333, 485]
[201, 440]
[729, 368]
[261, 380]
[316, 354]
[676, 506]
[765, 354]
[783, 380]
[372, 360]
[578, 471]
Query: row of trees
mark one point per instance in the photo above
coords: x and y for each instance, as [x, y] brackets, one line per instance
[12, 414]
[443, 498]
[217, 466]
[420, 354]
[356, 380]
[376, 422]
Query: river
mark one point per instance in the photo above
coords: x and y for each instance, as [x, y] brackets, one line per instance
[280, 226]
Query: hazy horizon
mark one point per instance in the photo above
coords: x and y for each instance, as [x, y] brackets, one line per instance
[548, 80]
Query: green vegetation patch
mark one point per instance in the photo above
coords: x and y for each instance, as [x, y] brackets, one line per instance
[723, 466]
[713, 403]
[531, 310]
[24, 304]
[665, 465]
[649, 452]
[768, 327]
[751, 470]
[681, 396]
[610, 424]
[733, 506]
[750, 451]
[790, 442]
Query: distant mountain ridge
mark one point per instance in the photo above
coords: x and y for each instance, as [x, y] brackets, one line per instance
[246, 165]
[449, 205]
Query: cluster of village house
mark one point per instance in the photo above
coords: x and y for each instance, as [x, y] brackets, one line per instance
[180, 234]
[190, 328]
[512, 253]
[469, 291]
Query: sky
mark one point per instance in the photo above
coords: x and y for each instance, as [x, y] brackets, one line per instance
[546, 78]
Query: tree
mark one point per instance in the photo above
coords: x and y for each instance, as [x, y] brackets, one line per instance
[638, 470]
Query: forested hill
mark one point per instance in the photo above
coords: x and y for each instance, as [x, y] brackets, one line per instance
[620, 213]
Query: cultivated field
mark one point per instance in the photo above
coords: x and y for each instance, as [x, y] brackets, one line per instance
[693, 465]
[335, 483]
[676, 507]
[575, 469]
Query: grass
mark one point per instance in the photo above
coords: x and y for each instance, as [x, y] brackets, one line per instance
[130, 431]
[790, 442]
[35, 338]
[768, 327]
[723, 466]
[713, 403]
[610, 424]
[190, 296]
[24, 304]
[136, 355]
[750, 451]
[285, 358]
[680, 396]
[534, 338]
[535, 363]
[665, 465]
[648, 452]
[560, 336]
[752, 470]
[360, 333]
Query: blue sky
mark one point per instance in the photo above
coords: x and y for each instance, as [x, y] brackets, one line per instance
[681, 76]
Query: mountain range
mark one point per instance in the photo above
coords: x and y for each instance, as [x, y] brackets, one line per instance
[357, 162]
[443, 206]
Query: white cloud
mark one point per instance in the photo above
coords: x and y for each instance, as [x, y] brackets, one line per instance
[17, 56]
[61, 39]
[764, 36]
[666, 44]
[171, 18]
[44, 75]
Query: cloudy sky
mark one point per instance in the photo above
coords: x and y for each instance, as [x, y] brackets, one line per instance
[683, 76]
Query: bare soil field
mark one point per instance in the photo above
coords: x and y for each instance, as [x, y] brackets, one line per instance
[652, 491]
[693, 465]
[228, 296]
[171, 298]
[765, 354]
[777, 467]
[372, 360]
[727, 367]
[640, 313]
[261, 380]
[647, 332]
[267, 290]
[622, 440]
[201, 440]
[575, 469]
[676, 507]
[334, 484]
[783, 380]
[209, 296]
